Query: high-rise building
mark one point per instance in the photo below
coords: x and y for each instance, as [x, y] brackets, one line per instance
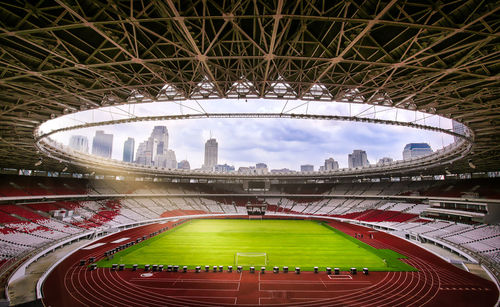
[184, 164]
[211, 154]
[261, 168]
[331, 165]
[171, 159]
[414, 150]
[385, 160]
[128, 150]
[260, 165]
[166, 160]
[245, 169]
[140, 157]
[79, 142]
[224, 168]
[307, 168]
[153, 151]
[358, 158]
[102, 145]
[158, 142]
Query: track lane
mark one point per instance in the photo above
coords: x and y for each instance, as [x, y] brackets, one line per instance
[104, 287]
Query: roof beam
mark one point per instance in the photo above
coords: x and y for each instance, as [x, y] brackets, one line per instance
[202, 58]
[339, 58]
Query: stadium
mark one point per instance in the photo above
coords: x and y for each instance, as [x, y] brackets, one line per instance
[88, 229]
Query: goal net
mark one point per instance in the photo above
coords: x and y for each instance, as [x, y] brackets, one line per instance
[250, 259]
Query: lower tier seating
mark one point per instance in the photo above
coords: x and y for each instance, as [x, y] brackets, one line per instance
[24, 228]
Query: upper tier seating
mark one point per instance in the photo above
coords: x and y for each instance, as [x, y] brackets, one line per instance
[7, 218]
[12, 185]
[19, 211]
[45, 207]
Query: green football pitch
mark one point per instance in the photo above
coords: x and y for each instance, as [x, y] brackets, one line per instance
[260, 243]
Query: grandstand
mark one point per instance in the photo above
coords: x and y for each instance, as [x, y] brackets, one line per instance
[78, 229]
[32, 221]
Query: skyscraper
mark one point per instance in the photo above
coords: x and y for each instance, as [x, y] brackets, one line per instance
[158, 142]
[102, 145]
[166, 160]
[414, 150]
[154, 151]
[260, 165]
[184, 164]
[223, 168]
[331, 165]
[79, 142]
[211, 153]
[128, 150]
[307, 168]
[358, 158]
[171, 160]
[261, 168]
[385, 160]
[140, 157]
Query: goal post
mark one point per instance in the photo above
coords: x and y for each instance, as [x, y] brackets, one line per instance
[250, 259]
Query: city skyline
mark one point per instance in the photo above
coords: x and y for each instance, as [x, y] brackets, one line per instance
[282, 144]
[358, 158]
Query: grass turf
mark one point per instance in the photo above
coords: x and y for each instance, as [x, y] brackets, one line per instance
[286, 243]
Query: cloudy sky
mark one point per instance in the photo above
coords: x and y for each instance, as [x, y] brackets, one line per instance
[280, 143]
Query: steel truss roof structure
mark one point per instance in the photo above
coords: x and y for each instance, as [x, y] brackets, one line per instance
[60, 56]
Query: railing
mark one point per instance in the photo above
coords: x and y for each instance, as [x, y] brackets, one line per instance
[6, 271]
[493, 267]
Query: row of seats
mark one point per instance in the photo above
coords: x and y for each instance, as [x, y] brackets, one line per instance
[478, 238]
[375, 215]
[26, 186]
[20, 211]
[29, 186]
[29, 226]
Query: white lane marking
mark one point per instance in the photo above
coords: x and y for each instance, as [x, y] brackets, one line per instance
[94, 246]
[120, 240]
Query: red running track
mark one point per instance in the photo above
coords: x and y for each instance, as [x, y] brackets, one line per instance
[437, 283]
